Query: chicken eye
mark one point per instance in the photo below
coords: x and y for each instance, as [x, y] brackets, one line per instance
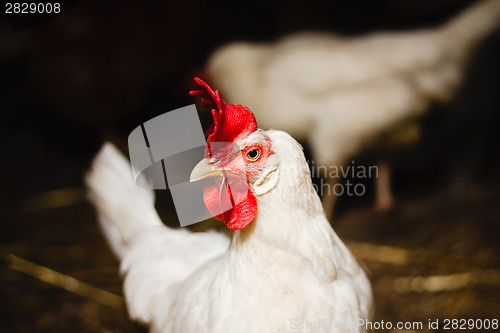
[253, 154]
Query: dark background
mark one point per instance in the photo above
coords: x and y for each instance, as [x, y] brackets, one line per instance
[104, 67]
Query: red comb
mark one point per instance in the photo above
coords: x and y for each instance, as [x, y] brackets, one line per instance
[231, 121]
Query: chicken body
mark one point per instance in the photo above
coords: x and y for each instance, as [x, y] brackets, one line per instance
[287, 266]
[343, 94]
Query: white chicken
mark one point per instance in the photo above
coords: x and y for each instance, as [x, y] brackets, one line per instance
[284, 265]
[342, 94]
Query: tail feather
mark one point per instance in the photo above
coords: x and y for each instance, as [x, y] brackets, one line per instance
[471, 26]
[123, 208]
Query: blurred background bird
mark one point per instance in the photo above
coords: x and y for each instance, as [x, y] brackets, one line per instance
[346, 95]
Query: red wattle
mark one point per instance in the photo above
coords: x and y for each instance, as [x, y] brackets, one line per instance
[231, 202]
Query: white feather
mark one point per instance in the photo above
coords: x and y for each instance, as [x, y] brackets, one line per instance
[288, 264]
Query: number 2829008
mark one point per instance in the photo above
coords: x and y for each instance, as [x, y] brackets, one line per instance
[32, 8]
[471, 324]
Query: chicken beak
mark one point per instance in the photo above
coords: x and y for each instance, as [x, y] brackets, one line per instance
[205, 169]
